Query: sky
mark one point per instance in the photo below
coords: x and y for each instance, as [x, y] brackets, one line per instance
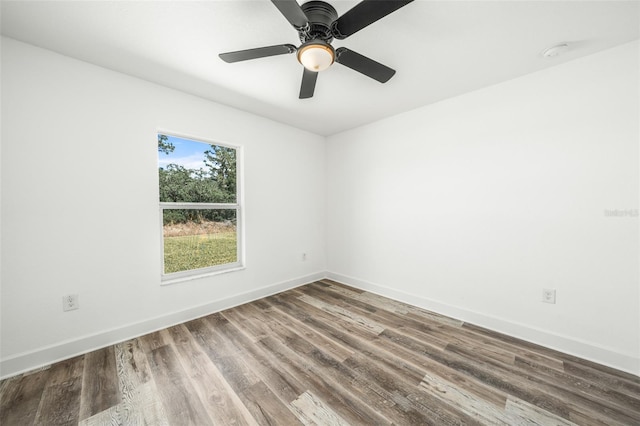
[188, 153]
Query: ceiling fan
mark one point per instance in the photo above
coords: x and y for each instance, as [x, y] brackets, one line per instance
[317, 24]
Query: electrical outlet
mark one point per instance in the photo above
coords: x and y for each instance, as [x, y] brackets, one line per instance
[548, 295]
[70, 302]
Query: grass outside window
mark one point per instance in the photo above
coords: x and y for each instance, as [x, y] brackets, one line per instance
[194, 245]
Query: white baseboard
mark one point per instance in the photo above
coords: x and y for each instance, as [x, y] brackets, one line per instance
[27, 361]
[566, 344]
[44, 356]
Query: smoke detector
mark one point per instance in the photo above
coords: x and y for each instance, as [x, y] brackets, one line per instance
[556, 50]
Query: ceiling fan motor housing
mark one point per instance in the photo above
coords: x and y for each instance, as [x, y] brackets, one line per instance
[320, 15]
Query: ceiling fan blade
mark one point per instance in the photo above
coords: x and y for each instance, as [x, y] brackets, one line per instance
[292, 11]
[308, 84]
[364, 13]
[260, 52]
[364, 65]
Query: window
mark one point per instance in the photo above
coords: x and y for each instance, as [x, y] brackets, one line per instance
[199, 207]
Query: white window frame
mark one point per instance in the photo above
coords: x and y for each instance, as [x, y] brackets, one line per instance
[239, 264]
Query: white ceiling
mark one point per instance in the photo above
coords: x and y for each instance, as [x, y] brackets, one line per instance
[439, 49]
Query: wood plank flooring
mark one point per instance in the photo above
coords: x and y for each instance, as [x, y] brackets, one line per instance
[323, 354]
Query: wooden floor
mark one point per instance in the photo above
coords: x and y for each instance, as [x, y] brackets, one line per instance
[323, 354]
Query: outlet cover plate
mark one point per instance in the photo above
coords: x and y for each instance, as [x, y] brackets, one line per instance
[549, 295]
[70, 302]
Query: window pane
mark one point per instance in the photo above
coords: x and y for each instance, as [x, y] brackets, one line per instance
[195, 172]
[196, 239]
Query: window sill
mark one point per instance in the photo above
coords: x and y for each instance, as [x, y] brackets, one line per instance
[169, 280]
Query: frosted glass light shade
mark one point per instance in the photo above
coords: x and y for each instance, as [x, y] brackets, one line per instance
[316, 56]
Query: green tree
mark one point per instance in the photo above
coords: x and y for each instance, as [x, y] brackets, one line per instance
[216, 183]
[221, 162]
[174, 181]
[179, 184]
[164, 145]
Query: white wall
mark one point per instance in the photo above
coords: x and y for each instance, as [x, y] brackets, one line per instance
[468, 207]
[80, 206]
[472, 206]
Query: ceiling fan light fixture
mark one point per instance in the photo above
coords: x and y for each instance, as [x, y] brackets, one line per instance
[316, 55]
